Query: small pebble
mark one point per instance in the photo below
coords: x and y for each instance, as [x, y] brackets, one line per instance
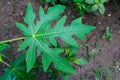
[21, 13]
[9, 3]
[109, 15]
[69, 13]
[99, 22]
[119, 69]
[119, 32]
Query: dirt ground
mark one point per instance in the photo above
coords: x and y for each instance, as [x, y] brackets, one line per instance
[12, 11]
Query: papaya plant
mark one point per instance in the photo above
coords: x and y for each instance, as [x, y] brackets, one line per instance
[39, 37]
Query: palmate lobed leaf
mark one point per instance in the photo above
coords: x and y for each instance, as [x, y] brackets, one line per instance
[16, 70]
[3, 46]
[40, 35]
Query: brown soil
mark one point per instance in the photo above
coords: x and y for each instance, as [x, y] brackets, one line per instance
[12, 11]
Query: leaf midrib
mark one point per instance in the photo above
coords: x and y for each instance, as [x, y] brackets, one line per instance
[57, 59]
[51, 33]
[48, 52]
[41, 45]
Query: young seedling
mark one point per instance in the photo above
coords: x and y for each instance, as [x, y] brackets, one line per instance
[116, 68]
[102, 73]
[108, 34]
[93, 54]
[70, 54]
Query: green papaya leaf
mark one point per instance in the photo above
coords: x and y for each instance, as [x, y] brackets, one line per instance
[2, 46]
[79, 61]
[48, 1]
[90, 1]
[40, 36]
[70, 52]
[101, 9]
[19, 59]
[17, 70]
[1, 60]
[103, 1]
[94, 7]
[97, 1]
[7, 76]
[2, 56]
[76, 1]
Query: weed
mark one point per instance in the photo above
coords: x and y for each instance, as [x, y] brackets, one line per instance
[101, 73]
[108, 34]
[93, 54]
[96, 6]
[116, 67]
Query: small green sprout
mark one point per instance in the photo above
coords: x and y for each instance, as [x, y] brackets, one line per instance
[70, 54]
[93, 54]
[108, 34]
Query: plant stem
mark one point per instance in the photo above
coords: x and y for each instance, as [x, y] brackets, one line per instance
[11, 40]
[6, 63]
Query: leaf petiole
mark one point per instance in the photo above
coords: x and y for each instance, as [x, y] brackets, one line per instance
[11, 40]
[6, 63]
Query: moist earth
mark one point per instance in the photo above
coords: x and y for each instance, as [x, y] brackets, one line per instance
[12, 11]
